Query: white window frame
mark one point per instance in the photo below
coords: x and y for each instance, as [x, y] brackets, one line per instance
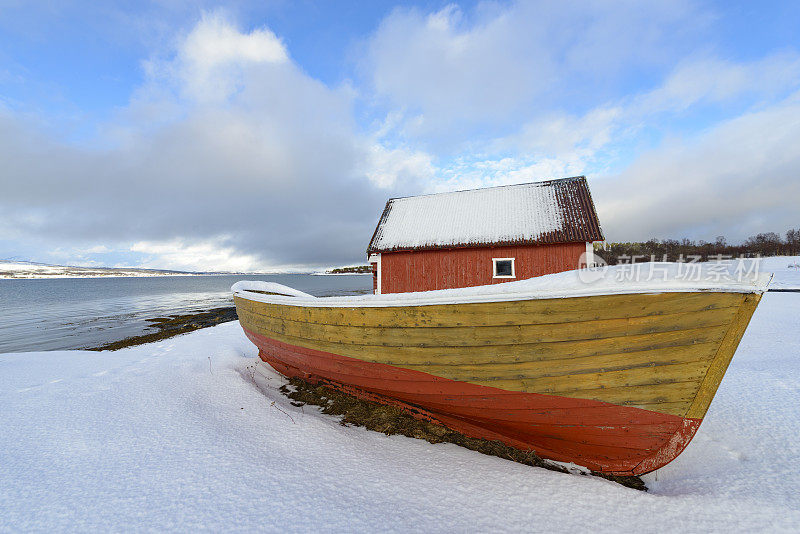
[494, 268]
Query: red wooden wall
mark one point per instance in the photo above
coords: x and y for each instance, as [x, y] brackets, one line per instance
[425, 270]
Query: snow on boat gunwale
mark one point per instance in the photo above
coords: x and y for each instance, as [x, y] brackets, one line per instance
[667, 277]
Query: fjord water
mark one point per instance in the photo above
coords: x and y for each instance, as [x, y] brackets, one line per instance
[74, 313]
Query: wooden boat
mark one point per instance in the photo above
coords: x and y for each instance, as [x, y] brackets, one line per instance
[616, 378]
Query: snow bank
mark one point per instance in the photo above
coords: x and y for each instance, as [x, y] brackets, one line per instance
[174, 436]
[655, 277]
[786, 269]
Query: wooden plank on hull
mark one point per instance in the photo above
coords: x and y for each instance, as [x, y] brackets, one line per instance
[545, 311]
[573, 365]
[402, 356]
[494, 335]
[719, 364]
[577, 382]
[670, 393]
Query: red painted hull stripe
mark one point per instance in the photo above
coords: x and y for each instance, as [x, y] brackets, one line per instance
[599, 435]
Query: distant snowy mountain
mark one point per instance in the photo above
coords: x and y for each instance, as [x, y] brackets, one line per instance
[26, 269]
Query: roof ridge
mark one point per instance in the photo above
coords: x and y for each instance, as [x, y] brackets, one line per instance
[540, 183]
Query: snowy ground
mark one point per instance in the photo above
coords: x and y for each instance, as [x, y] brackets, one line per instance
[175, 436]
[786, 271]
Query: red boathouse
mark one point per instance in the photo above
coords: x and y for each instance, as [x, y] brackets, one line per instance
[483, 236]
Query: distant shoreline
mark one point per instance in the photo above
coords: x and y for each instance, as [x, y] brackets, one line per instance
[63, 277]
[28, 270]
[341, 274]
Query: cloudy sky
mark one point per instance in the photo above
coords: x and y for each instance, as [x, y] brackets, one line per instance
[268, 135]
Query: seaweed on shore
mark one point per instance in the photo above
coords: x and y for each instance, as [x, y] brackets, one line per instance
[392, 420]
[174, 325]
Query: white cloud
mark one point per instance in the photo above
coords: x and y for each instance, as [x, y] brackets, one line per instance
[430, 62]
[567, 136]
[736, 179]
[211, 55]
[399, 167]
[500, 65]
[538, 84]
[214, 41]
[97, 249]
[198, 255]
[276, 164]
[712, 80]
[467, 173]
[590, 141]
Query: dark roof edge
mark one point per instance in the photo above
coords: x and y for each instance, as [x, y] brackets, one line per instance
[594, 210]
[384, 215]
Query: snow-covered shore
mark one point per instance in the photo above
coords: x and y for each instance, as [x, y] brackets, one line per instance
[27, 270]
[175, 436]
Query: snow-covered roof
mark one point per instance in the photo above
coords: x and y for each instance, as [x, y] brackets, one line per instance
[555, 211]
